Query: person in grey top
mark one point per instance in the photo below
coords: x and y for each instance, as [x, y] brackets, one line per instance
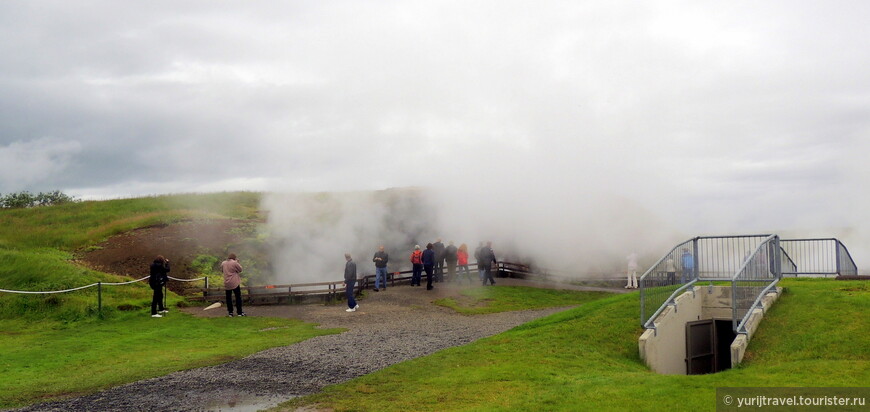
[350, 282]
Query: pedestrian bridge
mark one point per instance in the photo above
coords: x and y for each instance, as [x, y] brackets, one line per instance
[751, 265]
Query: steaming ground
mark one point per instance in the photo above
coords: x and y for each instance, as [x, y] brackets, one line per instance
[391, 326]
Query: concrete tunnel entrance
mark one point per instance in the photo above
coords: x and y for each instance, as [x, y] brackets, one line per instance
[696, 336]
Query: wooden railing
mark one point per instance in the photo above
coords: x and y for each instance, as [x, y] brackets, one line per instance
[331, 291]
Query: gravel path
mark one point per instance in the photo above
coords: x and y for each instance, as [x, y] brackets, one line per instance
[391, 326]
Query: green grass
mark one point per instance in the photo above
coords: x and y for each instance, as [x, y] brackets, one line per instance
[478, 301]
[51, 269]
[56, 345]
[79, 224]
[47, 360]
[587, 359]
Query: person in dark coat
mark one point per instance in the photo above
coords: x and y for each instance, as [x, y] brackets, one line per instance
[477, 259]
[158, 279]
[438, 248]
[450, 257]
[381, 258]
[487, 257]
[350, 282]
[429, 264]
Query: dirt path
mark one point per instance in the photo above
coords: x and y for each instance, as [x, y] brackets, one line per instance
[391, 326]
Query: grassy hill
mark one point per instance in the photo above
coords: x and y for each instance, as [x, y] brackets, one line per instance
[36, 247]
[587, 359]
[56, 345]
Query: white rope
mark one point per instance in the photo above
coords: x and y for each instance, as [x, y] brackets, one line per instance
[91, 285]
[126, 283]
[46, 292]
[186, 280]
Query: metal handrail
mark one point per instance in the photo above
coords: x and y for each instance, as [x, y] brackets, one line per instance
[650, 324]
[749, 258]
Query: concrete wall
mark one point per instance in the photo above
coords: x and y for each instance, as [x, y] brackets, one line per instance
[664, 349]
[738, 347]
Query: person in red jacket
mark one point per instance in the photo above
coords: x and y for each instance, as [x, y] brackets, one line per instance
[462, 262]
[417, 262]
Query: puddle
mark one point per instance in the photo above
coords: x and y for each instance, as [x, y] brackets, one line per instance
[238, 403]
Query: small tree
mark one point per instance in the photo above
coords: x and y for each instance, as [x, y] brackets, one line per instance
[25, 199]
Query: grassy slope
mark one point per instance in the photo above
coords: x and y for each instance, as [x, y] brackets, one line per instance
[587, 359]
[78, 224]
[500, 299]
[45, 360]
[55, 344]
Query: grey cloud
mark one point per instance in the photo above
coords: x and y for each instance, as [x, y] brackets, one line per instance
[726, 105]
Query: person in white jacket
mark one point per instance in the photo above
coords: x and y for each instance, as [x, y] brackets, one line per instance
[632, 271]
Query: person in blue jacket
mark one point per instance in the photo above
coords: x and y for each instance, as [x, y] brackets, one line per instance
[688, 263]
[429, 264]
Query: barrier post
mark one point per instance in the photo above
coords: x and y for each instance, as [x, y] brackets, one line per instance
[100, 299]
[205, 292]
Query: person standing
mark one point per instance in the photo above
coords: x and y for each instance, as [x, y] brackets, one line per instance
[233, 283]
[688, 266]
[671, 270]
[349, 283]
[429, 264]
[438, 248]
[450, 257]
[416, 265]
[158, 279]
[477, 259]
[462, 258]
[487, 256]
[632, 271]
[381, 258]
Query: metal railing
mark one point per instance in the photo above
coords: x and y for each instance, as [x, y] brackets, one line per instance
[666, 279]
[703, 258]
[757, 275]
[752, 264]
[720, 257]
[818, 257]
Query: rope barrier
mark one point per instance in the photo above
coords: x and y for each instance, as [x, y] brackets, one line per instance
[49, 291]
[186, 280]
[125, 283]
[27, 292]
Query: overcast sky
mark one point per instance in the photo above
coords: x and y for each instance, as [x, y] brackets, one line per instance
[739, 115]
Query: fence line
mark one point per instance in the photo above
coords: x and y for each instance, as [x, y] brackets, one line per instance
[46, 292]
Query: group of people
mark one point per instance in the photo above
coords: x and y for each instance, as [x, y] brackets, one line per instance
[432, 260]
[435, 259]
[232, 284]
[686, 269]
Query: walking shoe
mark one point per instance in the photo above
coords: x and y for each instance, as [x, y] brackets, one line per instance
[376, 290]
[163, 311]
[156, 316]
[243, 314]
[230, 315]
[430, 287]
[350, 310]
